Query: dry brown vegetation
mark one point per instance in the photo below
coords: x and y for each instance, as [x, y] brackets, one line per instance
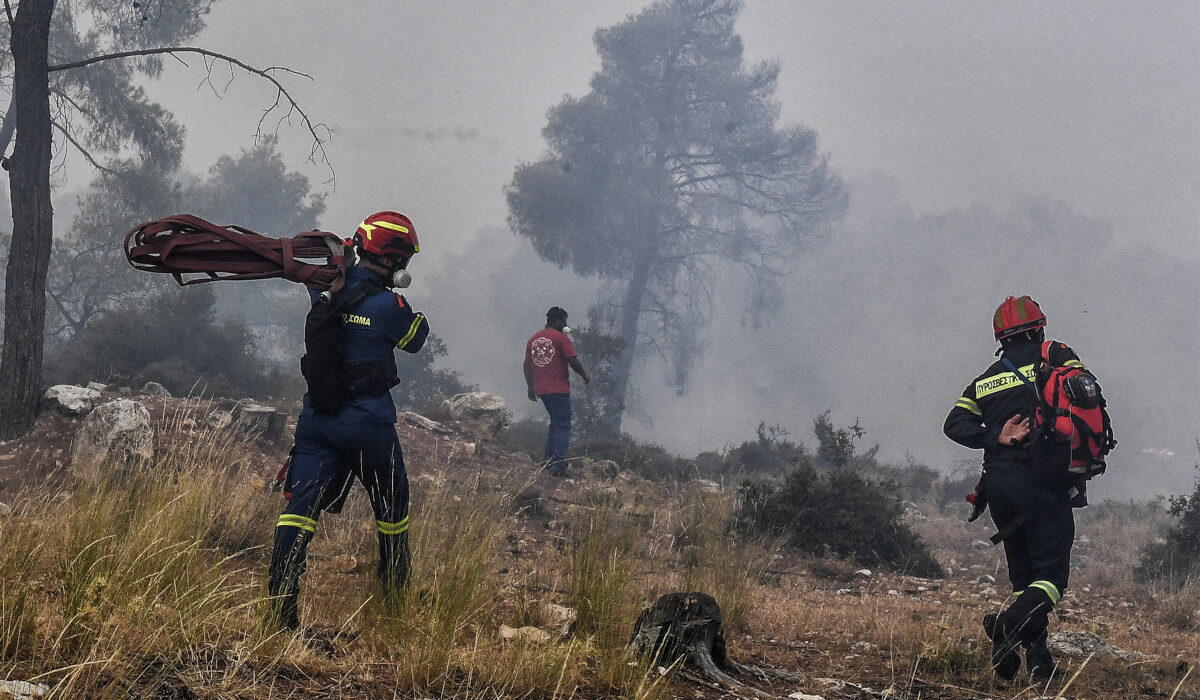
[152, 586]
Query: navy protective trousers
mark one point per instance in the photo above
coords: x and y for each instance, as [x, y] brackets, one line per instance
[329, 454]
[1039, 529]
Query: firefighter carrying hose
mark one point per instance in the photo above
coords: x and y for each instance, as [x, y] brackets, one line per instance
[346, 429]
[1025, 483]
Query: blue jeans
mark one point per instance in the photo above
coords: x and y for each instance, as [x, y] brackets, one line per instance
[559, 435]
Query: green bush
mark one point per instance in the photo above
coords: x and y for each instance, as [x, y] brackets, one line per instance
[599, 405]
[1175, 559]
[644, 459]
[770, 453]
[839, 512]
[174, 338]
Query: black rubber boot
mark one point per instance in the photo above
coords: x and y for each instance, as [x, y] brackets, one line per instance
[283, 580]
[1005, 659]
[285, 612]
[395, 562]
[1038, 660]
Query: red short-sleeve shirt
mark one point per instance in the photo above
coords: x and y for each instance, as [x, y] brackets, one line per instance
[548, 351]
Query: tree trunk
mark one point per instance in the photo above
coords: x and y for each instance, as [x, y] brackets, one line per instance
[29, 256]
[631, 312]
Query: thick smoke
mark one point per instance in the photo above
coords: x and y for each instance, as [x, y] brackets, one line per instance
[885, 321]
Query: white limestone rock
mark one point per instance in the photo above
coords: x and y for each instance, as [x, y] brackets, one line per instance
[70, 399]
[117, 434]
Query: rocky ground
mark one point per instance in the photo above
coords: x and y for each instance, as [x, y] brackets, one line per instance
[849, 632]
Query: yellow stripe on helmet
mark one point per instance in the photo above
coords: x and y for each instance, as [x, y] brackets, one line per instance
[394, 227]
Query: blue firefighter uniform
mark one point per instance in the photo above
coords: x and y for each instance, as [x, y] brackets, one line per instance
[1030, 500]
[358, 441]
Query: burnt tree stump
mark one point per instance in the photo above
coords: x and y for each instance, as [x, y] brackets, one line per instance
[683, 630]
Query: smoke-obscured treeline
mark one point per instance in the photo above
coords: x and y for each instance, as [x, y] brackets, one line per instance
[880, 317]
[886, 321]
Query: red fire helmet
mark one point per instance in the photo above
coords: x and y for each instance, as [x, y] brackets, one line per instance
[387, 233]
[1017, 315]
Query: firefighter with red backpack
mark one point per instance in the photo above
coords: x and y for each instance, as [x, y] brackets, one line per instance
[1033, 474]
[346, 429]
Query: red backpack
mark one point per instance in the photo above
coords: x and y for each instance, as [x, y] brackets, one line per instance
[1071, 409]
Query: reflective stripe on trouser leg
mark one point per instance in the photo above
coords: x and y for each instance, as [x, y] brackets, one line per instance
[292, 535]
[394, 555]
[1028, 617]
[383, 475]
[1049, 589]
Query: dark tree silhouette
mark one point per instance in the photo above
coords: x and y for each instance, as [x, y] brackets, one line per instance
[673, 164]
[92, 102]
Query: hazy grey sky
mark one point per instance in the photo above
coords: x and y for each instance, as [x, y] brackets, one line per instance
[940, 106]
[433, 104]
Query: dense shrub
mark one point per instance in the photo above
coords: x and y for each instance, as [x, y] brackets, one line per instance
[1176, 558]
[598, 405]
[770, 453]
[839, 512]
[174, 338]
[644, 459]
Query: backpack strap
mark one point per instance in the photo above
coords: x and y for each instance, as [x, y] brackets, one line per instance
[1020, 375]
[347, 299]
[1046, 345]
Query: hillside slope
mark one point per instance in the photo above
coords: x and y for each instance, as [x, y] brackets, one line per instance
[151, 585]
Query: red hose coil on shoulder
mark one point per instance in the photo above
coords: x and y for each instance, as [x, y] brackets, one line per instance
[184, 245]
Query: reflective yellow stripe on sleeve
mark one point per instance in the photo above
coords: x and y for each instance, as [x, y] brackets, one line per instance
[969, 404]
[412, 331]
[289, 520]
[392, 528]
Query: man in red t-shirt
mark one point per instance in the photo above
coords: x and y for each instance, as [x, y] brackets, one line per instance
[547, 355]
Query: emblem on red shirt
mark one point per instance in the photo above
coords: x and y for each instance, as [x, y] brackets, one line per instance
[541, 351]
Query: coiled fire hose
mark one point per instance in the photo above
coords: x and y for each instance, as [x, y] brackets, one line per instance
[184, 245]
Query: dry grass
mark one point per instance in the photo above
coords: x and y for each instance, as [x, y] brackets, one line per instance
[152, 585]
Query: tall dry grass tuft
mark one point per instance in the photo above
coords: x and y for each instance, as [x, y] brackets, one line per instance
[710, 559]
[603, 591]
[449, 596]
[95, 578]
[1178, 603]
[601, 572]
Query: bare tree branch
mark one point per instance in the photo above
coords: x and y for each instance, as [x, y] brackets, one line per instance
[61, 94]
[319, 131]
[79, 147]
[62, 309]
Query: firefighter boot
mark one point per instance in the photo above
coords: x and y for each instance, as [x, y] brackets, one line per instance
[1005, 659]
[395, 561]
[1038, 660]
[283, 579]
[285, 612]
